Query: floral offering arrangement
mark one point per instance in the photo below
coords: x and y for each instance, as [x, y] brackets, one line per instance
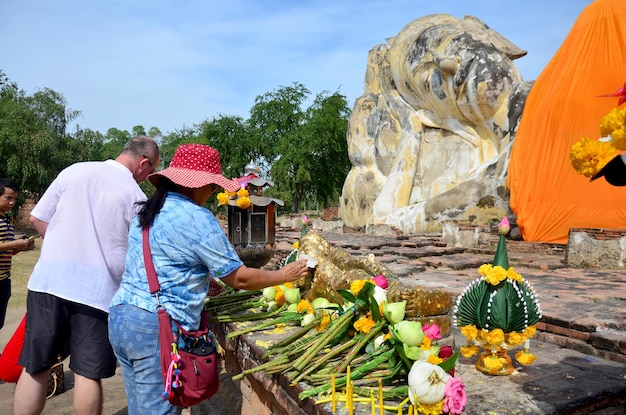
[589, 156]
[498, 312]
[241, 196]
[330, 346]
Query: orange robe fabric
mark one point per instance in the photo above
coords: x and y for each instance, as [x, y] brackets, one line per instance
[547, 195]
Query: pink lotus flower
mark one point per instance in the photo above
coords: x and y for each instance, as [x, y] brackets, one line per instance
[504, 226]
[432, 331]
[381, 281]
[455, 398]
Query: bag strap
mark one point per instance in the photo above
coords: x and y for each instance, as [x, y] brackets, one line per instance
[153, 280]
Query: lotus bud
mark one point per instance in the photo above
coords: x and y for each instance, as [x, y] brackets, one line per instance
[320, 302]
[427, 383]
[292, 308]
[292, 295]
[269, 293]
[504, 226]
[271, 306]
[409, 332]
[380, 295]
[307, 319]
[378, 341]
[394, 312]
[412, 352]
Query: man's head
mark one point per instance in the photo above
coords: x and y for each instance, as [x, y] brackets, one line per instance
[8, 195]
[141, 156]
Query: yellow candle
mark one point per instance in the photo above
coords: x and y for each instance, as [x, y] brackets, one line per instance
[410, 409]
[349, 391]
[380, 396]
[399, 409]
[373, 403]
[333, 397]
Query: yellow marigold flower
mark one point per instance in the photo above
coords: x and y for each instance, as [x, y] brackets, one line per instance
[589, 156]
[495, 336]
[618, 138]
[303, 306]
[243, 192]
[493, 275]
[493, 362]
[231, 194]
[426, 343]
[470, 331]
[516, 338]
[469, 351]
[525, 358]
[612, 121]
[530, 331]
[364, 324]
[279, 297]
[356, 286]
[243, 203]
[511, 274]
[296, 245]
[435, 360]
[288, 284]
[324, 323]
[387, 336]
[430, 409]
[222, 198]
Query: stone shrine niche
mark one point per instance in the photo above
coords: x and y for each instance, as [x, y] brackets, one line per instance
[252, 226]
[429, 140]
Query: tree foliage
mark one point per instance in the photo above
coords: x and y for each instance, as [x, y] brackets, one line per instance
[34, 144]
[306, 148]
[302, 150]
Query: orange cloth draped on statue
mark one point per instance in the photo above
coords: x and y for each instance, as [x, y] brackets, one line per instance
[547, 195]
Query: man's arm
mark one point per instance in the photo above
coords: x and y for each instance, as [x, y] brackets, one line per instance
[39, 225]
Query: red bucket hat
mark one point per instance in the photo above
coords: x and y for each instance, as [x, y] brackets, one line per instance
[195, 166]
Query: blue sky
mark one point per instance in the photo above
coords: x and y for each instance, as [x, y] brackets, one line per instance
[171, 64]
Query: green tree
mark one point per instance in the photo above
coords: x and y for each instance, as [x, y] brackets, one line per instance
[305, 149]
[229, 135]
[34, 145]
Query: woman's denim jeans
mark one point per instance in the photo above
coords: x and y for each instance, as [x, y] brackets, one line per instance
[134, 335]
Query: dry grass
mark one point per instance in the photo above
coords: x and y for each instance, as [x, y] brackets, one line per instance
[21, 268]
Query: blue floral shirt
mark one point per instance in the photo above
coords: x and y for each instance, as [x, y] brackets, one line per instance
[188, 247]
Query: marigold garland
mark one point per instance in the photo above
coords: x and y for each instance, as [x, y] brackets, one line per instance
[588, 156]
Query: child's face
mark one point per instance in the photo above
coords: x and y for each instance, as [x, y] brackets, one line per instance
[7, 200]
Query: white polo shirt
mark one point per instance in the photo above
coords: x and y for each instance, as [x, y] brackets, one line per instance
[88, 208]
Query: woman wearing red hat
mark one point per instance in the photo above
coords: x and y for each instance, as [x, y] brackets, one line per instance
[188, 248]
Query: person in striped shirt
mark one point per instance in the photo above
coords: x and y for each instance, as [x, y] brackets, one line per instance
[9, 246]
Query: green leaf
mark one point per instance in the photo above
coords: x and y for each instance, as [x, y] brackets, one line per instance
[293, 256]
[469, 304]
[375, 309]
[347, 294]
[367, 291]
[450, 362]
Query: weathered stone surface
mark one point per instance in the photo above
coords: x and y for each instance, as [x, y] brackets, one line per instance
[432, 134]
[592, 248]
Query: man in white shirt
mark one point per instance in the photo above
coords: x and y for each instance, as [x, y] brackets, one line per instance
[84, 218]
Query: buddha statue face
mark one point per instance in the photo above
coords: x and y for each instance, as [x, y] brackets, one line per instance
[457, 68]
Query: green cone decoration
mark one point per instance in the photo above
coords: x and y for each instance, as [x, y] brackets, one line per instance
[501, 258]
[501, 298]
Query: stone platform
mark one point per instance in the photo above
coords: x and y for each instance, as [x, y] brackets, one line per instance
[580, 345]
